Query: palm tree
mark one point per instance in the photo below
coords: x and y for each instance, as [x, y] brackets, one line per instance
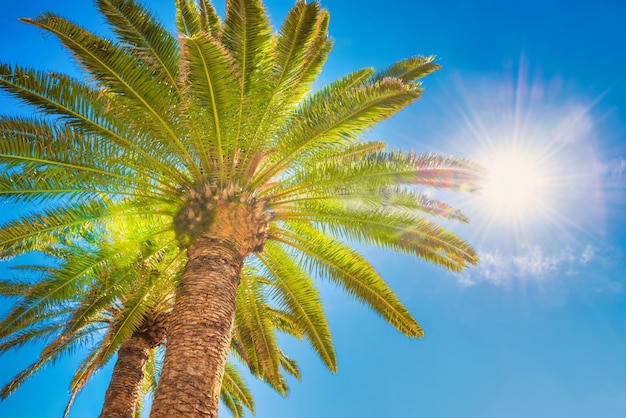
[216, 137]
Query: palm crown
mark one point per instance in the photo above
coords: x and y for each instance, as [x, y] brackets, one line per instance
[214, 141]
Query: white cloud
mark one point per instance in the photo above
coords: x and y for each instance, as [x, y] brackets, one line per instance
[535, 262]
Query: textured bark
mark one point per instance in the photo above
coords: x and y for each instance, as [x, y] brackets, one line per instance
[201, 324]
[121, 396]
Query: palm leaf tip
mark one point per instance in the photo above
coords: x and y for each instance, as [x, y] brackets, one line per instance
[409, 70]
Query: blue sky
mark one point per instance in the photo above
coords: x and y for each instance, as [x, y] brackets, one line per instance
[539, 328]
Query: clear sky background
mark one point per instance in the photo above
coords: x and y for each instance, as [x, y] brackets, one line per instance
[539, 328]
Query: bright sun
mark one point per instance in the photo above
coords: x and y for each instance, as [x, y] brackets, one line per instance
[516, 184]
[538, 150]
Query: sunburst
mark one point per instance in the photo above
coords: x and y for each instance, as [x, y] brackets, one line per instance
[537, 143]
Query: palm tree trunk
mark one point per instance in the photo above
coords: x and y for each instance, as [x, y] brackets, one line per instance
[121, 396]
[199, 334]
[200, 330]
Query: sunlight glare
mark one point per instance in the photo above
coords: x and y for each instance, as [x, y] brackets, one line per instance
[515, 187]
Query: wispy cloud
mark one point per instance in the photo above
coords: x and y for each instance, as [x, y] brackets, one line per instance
[534, 262]
[614, 168]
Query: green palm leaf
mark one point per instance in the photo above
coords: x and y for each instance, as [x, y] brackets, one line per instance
[124, 75]
[256, 333]
[211, 86]
[294, 290]
[299, 53]
[87, 109]
[247, 37]
[409, 69]
[236, 391]
[337, 119]
[396, 230]
[137, 27]
[188, 20]
[209, 20]
[335, 260]
[59, 347]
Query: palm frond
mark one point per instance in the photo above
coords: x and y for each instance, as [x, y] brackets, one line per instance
[84, 371]
[136, 27]
[286, 322]
[46, 326]
[350, 270]
[396, 230]
[247, 37]
[290, 366]
[403, 199]
[88, 110]
[116, 286]
[69, 283]
[55, 225]
[188, 20]
[377, 170]
[62, 345]
[301, 48]
[121, 73]
[391, 198]
[294, 290]
[336, 119]
[409, 69]
[14, 288]
[209, 20]
[39, 230]
[65, 160]
[256, 333]
[211, 88]
[235, 386]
